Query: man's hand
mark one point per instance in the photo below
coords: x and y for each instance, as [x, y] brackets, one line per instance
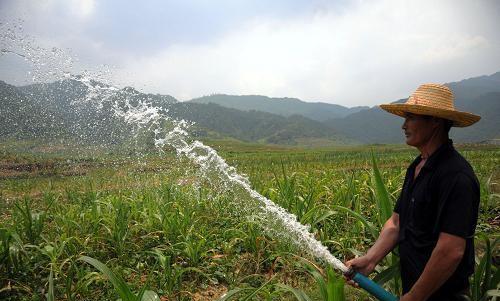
[364, 265]
[385, 243]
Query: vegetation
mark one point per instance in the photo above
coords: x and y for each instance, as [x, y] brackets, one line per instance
[318, 111]
[61, 110]
[107, 226]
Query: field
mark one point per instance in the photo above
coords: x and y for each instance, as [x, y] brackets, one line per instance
[158, 229]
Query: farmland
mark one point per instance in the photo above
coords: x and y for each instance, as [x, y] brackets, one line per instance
[159, 227]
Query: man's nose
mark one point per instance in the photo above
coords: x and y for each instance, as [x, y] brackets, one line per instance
[404, 124]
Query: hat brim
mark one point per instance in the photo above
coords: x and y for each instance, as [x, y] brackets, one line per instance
[460, 119]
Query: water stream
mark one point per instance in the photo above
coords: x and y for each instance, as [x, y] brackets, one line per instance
[55, 64]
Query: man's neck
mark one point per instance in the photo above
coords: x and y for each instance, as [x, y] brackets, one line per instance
[432, 145]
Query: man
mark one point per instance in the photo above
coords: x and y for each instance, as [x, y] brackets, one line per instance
[435, 216]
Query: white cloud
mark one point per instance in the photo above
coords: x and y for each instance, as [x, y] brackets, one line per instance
[375, 52]
[49, 9]
[363, 52]
[82, 8]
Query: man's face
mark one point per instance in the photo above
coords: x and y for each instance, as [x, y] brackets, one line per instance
[418, 129]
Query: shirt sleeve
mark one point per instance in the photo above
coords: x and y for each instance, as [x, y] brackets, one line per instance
[458, 202]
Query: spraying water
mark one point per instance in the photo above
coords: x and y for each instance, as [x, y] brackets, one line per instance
[209, 161]
[273, 218]
[142, 114]
[213, 167]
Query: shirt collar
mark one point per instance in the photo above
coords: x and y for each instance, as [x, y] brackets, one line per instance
[433, 159]
[436, 156]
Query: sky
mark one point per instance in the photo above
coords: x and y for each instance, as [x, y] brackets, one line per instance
[345, 52]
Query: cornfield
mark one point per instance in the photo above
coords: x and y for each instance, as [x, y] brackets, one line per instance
[111, 226]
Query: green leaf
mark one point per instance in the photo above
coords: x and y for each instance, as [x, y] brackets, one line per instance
[232, 293]
[486, 275]
[50, 294]
[120, 286]
[250, 296]
[335, 286]
[495, 279]
[318, 277]
[487, 270]
[371, 228]
[330, 288]
[323, 216]
[381, 195]
[299, 294]
[338, 290]
[387, 274]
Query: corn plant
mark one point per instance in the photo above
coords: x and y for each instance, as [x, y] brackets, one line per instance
[287, 191]
[485, 281]
[205, 235]
[51, 293]
[384, 213]
[27, 222]
[169, 275]
[331, 286]
[249, 293]
[12, 252]
[117, 224]
[120, 286]
[382, 197]
[5, 239]
[194, 248]
[491, 198]
[78, 281]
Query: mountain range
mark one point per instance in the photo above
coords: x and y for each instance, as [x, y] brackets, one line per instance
[61, 110]
[319, 111]
[479, 95]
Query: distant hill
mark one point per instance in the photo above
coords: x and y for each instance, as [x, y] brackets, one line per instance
[254, 126]
[488, 128]
[20, 117]
[65, 110]
[280, 106]
[479, 95]
[62, 110]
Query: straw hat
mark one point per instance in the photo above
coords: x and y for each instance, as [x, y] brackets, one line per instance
[432, 100]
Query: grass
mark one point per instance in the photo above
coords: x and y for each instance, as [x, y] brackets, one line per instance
[101, 225]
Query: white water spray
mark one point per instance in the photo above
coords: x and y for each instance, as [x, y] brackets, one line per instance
[143, 114]
[208, 160]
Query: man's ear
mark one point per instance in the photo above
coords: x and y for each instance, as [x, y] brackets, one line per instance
[437, 122]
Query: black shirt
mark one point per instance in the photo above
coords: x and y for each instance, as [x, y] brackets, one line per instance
[443, 198]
